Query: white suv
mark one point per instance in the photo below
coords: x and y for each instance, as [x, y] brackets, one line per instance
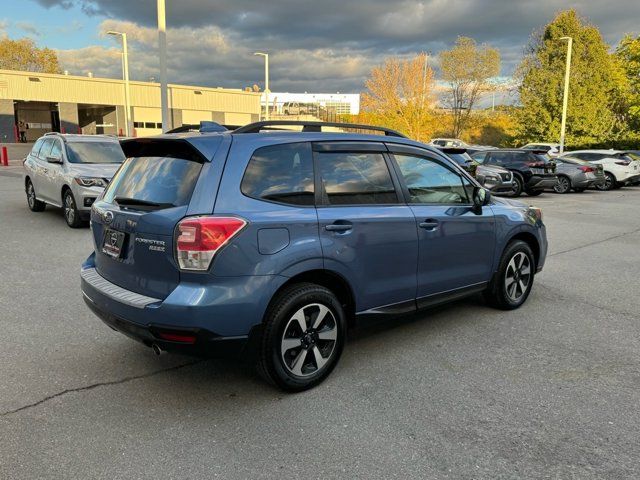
[620, 167]
[70, 171]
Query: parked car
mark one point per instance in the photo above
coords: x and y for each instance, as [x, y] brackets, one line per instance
[577, 175]
[551, 148]
[70, 171]
[533, 171]
[620, 167]
[496, 179]
[243, 243]
[448, 142]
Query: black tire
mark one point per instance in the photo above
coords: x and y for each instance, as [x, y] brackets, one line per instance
[518, 186]
[610, 182]
[534, 193]
[291, 369]
[499, 294]
[35, 205]
[563, 185]
[70, 210]
[579, 190]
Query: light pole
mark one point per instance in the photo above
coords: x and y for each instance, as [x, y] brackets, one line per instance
[125, 75]
[162, 49]
[266, 82]
[565, 98]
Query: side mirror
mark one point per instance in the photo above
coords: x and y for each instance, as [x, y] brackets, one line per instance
[57, 160]
[480, 198]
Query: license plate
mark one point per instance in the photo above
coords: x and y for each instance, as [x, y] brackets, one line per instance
[112, 243]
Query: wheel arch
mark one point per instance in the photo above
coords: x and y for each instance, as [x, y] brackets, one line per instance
[63, 190]
[531, 240]
[332, 281]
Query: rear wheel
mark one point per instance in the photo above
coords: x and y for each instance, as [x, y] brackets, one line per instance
[609, 182]
[71, 213]
[304, 334]
[512, 283]
[563, 185]
[35, 205]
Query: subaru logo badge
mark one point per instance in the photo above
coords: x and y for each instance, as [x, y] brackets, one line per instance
[108, 217]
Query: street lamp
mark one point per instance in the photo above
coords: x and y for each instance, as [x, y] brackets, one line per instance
[162, 50]
[565, 98]
[125, 75]
[266, 81]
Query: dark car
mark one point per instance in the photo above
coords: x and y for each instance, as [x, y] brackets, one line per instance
[497, 179]
[533, 171]
[267, 246]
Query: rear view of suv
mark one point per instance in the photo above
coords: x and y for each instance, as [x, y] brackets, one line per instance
[270, 244]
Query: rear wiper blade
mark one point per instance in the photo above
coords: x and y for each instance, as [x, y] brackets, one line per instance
[127, 201]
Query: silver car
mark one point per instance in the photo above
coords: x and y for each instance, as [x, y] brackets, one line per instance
[70, 171]
[577, 175]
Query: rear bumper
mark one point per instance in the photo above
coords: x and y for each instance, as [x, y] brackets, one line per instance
[540, 182]
[206, 344]
[219, 313]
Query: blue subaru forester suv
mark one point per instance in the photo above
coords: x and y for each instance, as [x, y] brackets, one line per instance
[272, 243]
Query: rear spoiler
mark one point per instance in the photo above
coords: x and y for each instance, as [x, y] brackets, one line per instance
[205, 126]
[453, 150]
[188, 148]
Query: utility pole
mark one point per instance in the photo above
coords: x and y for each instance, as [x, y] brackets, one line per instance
[266, 82]
[162, 48]
[565, 99]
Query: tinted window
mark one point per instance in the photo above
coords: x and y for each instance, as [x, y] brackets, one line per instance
[36, 147]
[46, 148]
[56, 149]
[281, 173]
[162, 180]
[462, 159]
[506, 157]
[479, 156]
[430, 182]
[94, 152]
[355, 178]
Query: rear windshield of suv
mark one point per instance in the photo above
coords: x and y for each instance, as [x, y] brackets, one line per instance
[153, 182]
[94, 152]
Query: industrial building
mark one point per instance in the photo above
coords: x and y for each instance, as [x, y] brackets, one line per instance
[281, 103]
[32, 104]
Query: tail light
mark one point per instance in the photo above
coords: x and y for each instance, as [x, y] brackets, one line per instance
[586, 169]
[199, 238]
[535, 164]
[625, 163]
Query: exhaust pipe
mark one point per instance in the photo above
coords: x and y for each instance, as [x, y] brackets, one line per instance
[156, 349]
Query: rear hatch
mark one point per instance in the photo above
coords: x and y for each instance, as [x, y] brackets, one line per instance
[133, 224]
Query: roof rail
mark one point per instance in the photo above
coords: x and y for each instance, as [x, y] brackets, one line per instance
[308, 126]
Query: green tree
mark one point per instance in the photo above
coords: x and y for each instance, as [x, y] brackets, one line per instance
[596, 88]
[467, 69]
[628, 54]
[23, 54]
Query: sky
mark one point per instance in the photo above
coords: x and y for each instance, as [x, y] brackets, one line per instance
[315, 46]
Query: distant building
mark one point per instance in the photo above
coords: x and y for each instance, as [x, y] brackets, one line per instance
[37, 103]
[307, 103]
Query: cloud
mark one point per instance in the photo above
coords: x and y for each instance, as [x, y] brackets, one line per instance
[29, 28]
[330, 44]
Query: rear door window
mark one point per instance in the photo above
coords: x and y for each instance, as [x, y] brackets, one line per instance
[150, 183]
[281, 173]
[354, 178]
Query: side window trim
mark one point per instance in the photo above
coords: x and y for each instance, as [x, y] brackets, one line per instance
[426, 156]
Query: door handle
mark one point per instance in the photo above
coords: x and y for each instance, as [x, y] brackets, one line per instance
[338, 227]
[429, 224]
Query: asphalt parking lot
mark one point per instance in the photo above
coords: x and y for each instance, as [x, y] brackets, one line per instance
[464, 391]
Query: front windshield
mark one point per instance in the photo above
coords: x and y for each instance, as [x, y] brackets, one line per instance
[94, 152]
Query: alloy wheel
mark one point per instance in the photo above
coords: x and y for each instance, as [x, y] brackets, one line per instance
[31, 196]
[309, 340]
[69, 209]
[563, 185]
[517, 276]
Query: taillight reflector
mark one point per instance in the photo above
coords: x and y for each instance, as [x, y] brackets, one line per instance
[177, 337]
[586, 169]
[199, 238]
